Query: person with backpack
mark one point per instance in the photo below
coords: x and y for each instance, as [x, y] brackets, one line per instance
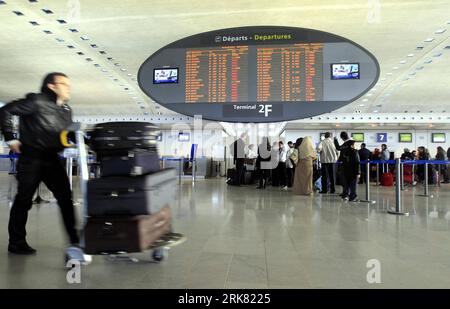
[349, 159]
[340, 170]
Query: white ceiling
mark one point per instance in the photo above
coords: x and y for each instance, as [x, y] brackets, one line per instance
[130, 31]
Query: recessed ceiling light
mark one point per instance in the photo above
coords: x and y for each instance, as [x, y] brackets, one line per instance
[437, 55]
[389, 74]
[2, 2]
[428, 40]
[60, 40]
[34, 23]
[419, 68]
[410, 55]
[115, 79]
[402, 61]
[70, 46]
[428, 61]
[420, 47]
[18, 13]
[439, 31]
[96, 65]
[117, 64]
[47, 31]
[94, 46]
[110, 58]
[33, 1]
[145, 113]
[102, 52]
[126, 89]
[129, 74]
[47, 11]
[365, 100]
[84, 38]
[395, 68]
[123, 70]
[412, 73]
[88, 59]
[61, 21]
[104, 70]
[361, 105]
[80, 53]
[73, 30]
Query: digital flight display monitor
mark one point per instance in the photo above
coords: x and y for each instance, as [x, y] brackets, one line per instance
[438, 137]
[184, 137]
[165, 76]
[405, 137]
[345, 71]
[358, 137]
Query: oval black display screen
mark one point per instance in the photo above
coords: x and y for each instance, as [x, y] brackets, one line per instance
[258, 74]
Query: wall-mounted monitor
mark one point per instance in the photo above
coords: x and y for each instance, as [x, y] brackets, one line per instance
[405, 137]
[438, 137]
[165, 76]
[345, 71]
[159, 137]
[358, 137]
[184, 137]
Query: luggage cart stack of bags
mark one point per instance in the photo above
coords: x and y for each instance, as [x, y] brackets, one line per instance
[128, 207]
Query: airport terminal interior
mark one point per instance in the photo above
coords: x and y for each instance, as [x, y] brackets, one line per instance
[214, 75]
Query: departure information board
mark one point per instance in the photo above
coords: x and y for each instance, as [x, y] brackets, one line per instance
[217, 74]
[258, 74]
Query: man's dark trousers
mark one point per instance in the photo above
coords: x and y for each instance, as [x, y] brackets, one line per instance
[328, 175]
[239, 171]
[34, 167]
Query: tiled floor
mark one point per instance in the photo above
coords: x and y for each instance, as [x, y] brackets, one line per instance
[240, 237]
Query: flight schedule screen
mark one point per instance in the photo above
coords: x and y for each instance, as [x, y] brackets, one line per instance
[272, 73]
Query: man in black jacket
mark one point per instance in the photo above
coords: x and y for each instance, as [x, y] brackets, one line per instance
[340, 170]
[364, 155]
[351, 170]
[238, 149]
[42, 117]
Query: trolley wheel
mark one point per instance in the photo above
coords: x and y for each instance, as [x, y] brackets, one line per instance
[158, 255]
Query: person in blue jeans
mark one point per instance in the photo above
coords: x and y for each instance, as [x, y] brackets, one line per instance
[351, 171]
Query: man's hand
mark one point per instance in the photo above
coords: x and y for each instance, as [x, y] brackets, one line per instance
[15, 146]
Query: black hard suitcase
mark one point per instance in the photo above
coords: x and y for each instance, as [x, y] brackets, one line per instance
[138, 195]
[117, 136]
[125, 234]
[137, 162]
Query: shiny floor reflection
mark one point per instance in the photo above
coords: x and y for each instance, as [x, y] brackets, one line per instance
[240, 237]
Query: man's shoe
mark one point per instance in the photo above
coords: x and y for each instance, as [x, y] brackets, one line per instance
[323, 192]
[21, 248]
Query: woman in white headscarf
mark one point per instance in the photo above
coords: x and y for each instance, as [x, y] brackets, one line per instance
[303, 179]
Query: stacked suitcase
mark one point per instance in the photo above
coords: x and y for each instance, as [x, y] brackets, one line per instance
[128, 206]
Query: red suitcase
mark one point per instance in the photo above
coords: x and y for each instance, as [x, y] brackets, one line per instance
[387, 180]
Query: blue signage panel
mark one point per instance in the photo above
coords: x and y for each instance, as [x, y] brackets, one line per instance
[381, 137]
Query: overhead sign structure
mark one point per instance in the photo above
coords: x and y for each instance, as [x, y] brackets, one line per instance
[258, 74]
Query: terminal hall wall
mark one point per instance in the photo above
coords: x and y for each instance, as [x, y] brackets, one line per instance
[420, 138]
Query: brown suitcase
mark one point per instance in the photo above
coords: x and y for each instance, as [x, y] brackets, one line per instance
[125, 234]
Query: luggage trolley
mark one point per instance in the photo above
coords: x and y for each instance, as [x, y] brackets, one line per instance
[159, 248]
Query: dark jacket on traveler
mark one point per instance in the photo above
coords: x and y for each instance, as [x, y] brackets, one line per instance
[41, 122]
